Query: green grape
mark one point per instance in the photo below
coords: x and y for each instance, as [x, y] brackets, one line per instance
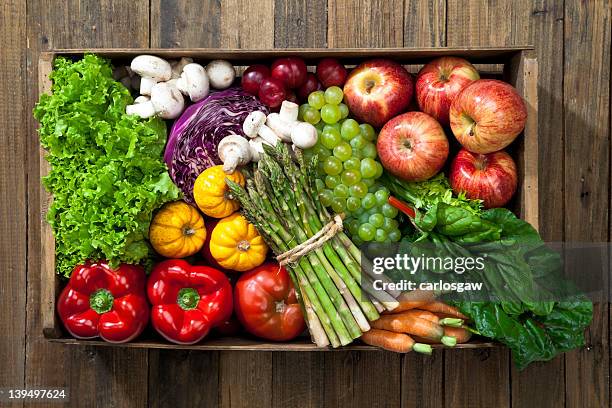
[332, 181]
[369, 150]
[358, 143]
[367, 232]
[394, 235]
[344, 110]
[390, 224]
[308, 155]
[321, 151]
[333, 95]
[379, 170]
[341, 191]
[388, 210]
[321, 169]
[319, 126]
[312, 116]
[357, 241]
[330, 113]
[368, 167]
[367, 132]
[351, 224]
[316, 99]
[381, 235]
[352, 163]
[319, 184]
[368, 201]
[301, 111]
[350, 177]
[353, 204]
[332, 166]
[367, 181]
[358, 190]
[377, 220]
[343, 151]
[338, 205]
[326, 197]
[332, 126]
[382, 196]
[330, 139]
[349, 129]
[363, 218]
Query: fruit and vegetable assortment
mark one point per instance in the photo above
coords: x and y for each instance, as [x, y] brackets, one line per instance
[249, 215]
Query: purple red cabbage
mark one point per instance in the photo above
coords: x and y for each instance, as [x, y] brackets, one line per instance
[193, 140]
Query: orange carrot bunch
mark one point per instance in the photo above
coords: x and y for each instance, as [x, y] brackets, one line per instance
[418, 320]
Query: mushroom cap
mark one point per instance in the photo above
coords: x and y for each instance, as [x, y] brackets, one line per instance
[221, 74]
[234, 151]
[253, 123]
[304, 135]
[152, 67]
[167, 100]
[193, 82]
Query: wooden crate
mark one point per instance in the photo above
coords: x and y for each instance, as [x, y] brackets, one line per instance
[515, 65]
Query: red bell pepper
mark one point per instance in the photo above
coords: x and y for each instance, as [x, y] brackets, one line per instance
[188, 300]
[266, 303]
[100, 301]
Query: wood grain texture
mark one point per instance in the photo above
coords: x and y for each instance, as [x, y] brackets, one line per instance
[247, 24]
[245, 379]
[89, 373]
[423, 380]
[587, 183]
[185, 23]
[365, 23]
[546, 22]
[13, 199]
[300, 23]
[424, 23]
[298, 380]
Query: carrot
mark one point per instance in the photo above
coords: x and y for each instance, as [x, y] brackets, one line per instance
[443, 310]
[462, 335]
[412, 300]
[423, 314]
[397, 342]
[406, 323]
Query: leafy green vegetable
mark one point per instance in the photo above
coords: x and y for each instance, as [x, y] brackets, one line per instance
[533, 309]
[107, 173]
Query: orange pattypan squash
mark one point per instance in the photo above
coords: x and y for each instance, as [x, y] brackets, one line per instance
[235, 244]
[211, 193]
[177, 230]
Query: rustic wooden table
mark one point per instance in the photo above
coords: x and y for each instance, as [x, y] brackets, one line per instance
[572, 40]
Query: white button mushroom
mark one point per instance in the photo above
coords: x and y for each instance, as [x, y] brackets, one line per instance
[289, 111]
[143, 109]
[256, 148]
[193, 82]
[221, 74]
[283, 129]
[150, 66]
[167, 100]
[304, 135]
[253, 123]
[146, 84]
[234, 151]
[142, 99]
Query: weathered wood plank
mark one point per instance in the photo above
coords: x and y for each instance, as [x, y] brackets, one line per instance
[423, 380]
[546, 22]
[183, 379]
[114, 377]
[185, 23]
[587, 182]
[298, 380]
[247, 24]
[365, 23]
[13, 196]
[300, 23]
[424, 23]
[245, 379]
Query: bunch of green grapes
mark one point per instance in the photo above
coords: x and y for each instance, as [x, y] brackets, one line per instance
[348, 169]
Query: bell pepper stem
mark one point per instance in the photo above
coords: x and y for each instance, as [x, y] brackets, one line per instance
[188, 298]
[101, 301]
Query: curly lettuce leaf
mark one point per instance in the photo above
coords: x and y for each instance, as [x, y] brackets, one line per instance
[107, 174]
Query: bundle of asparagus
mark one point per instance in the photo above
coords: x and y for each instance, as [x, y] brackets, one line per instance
[280, 200]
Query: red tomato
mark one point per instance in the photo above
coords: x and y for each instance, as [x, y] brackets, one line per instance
[266, 303]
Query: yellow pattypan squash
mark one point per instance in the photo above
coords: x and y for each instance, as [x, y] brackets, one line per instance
[235, 244]
[211, 193]
[177, 230]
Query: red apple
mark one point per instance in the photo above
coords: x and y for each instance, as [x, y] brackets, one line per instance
[377, 90]
[253, 76]
[439, 82]
[290, 70]
[272, 92]
[412, 146]
[487, 115]
[331, 72]
[487, 177]
[310, 85]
